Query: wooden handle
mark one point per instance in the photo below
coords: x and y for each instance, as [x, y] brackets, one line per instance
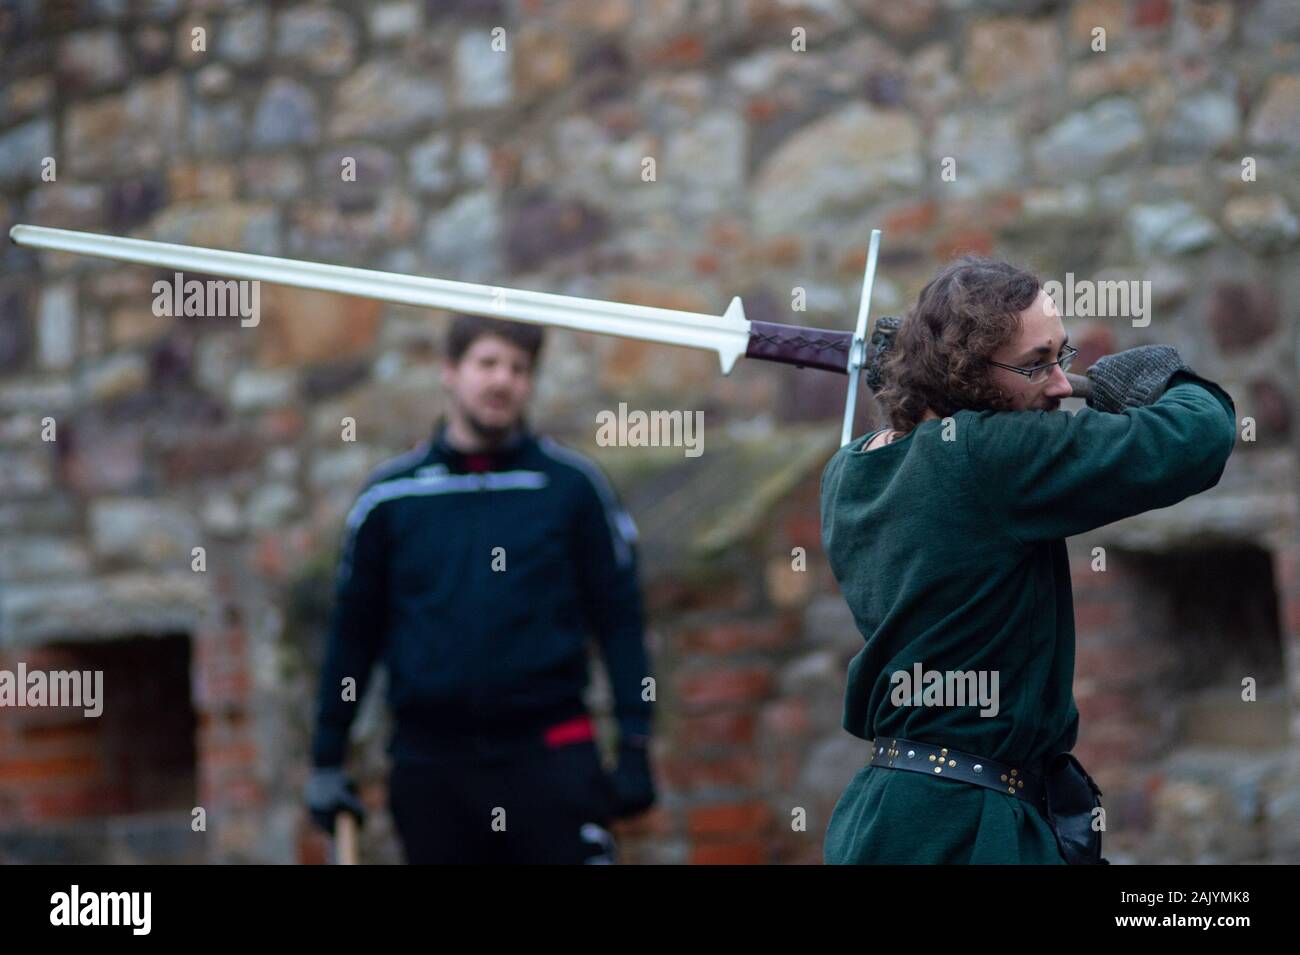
[345, 838]
[1082, 386]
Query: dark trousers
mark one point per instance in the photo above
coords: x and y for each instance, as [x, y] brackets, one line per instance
[478, 800]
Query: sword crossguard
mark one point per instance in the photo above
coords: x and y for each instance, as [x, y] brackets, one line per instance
[857, 355]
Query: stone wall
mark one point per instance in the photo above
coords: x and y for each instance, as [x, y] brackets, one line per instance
[780, 134]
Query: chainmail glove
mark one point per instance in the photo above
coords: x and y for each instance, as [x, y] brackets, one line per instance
[1132, 378]
[878, 348]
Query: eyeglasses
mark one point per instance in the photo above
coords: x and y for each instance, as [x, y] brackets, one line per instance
[1040, 373]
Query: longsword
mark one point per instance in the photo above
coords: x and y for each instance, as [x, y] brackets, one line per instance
[730, 335]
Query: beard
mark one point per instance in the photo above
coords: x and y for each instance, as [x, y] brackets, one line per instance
[1002, 401]
[990, 398]
[489, 434]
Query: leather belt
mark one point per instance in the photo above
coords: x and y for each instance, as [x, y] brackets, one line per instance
[906, 754]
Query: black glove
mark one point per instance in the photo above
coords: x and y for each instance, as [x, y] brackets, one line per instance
[1132, 378]
[330, 792]
[633, 784]
[878, 349]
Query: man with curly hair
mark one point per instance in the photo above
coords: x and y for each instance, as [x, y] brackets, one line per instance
[947, 533]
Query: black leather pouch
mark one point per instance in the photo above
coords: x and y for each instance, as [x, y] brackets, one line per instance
[1071, 798]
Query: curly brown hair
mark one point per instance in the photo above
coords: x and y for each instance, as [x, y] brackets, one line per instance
[940, 355]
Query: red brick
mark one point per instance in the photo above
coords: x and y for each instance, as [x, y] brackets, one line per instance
[233, 644]
[707, 263]
[657, 821]
[218, 689]
[680, 596]
[786, 250]
[41, 658]
[1242, 316]
[736, 636]
[783, 768]
[727, 818]
[1132, 804]
[1287, 563]
[269, 556]
[281, 424]
[688, 775]
[1093, 342]
[1116, 745]
[803, 528]
[909, 220]
[102, 461]
[726, 233]
[806, 853]
[1115, 663]
[211, 454]
[231, 754]
[55, 767]
[1001, 209]
[246, 792]
[99, 800]
[1096, 615]
[221, 650]
[1083, 579]
[958, 241]
[1099, 706]
[786, 718]
[220, 786]
[710, 729]
[747, 852]
[301, 543]
[1293, 615]
[217, 729]
[1272, 406]
[29, 719]
[10, 814]
[79, 739]
[852, 261]
[302, 326]
[719, 688]
[1152, 14]
[685, 49]
[762, 109]
[313, 847]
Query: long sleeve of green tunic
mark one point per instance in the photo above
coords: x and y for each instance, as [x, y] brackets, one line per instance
[949, 546]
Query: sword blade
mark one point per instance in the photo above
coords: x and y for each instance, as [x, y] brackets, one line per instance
[727, 335]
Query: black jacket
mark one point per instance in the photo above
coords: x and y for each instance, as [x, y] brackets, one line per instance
[478, 580]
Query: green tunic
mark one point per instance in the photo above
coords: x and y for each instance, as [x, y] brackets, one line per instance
[949, 546]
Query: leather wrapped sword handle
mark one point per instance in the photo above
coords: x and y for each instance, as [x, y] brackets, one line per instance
[795, 345]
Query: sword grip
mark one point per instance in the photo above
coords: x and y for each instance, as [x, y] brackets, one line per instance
[796, 345]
